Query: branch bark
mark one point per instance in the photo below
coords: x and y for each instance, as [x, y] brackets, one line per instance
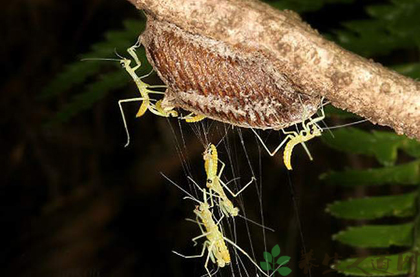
[319, 67]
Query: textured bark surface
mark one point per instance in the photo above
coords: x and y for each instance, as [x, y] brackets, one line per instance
[318, 67]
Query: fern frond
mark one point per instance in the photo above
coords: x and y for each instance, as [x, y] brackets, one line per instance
[302, 6]
[78, 72]
[409, 69]
[375, 207]
[404, 174]
[385, 265]
[94, 92]
[391, 27]
[377, 236]
[383, 146]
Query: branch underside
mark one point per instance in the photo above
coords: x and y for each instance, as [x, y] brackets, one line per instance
[301, 62]
[208, 78]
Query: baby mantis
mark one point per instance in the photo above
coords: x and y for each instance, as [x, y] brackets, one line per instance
[144, 90]
[215, 243]
[293, 138]
[216, 185]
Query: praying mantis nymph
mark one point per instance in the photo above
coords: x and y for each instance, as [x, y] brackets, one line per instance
[216, 185]
[144, 89]
[296, 138]
[215, 243]
[310, 130]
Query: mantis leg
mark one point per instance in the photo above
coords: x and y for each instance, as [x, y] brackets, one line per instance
[158, 110]
[200, 225]
[293, 133]
[194, 221]
[278, 147]
[123, 116]
[316, 120]
[132, 52]
[221, 169]
[199, 237]
[146, 75]
[158, 86]
[307, 151]
[192, 256]
[155, 92]
[202, 190]
[249, 257]
[220, 219]
[240, 191]
[208, 257]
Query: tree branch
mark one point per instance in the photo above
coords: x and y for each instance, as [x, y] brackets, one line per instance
[317, 66]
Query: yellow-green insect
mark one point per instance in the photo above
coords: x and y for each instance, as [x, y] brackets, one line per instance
[144, 89]
[295, 138]
[215, 243]
[216, 185]
[309, 130]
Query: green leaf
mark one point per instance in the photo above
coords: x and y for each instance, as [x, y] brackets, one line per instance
[401, 19]
[364, 266]
[267, 256]
[265, 266]
[391, 27]
[303, 5]
[408, 69]
[405, 174]
[377, 235]
[93, 94]
[284, 271]
[73, 74]
[78, 72]
[331, 111]
[411, 147]
[375, 207]
[283, 260]
[381, 11]
[275, 251]
[369, 38]
[382, 145]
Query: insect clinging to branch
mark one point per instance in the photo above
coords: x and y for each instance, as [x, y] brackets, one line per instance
[144, 89]
[309, 130]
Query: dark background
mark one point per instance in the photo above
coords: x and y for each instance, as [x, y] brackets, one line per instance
[75, 202]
